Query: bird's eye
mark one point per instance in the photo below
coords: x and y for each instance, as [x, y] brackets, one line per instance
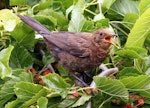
[101, 34]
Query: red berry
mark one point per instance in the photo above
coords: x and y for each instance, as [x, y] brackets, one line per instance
[38, 77]
[32, 70]
[41, 82]
[75, 94]
[141, 102]
[46, 72]
[134, 96]
[128, 105]
[88, 91]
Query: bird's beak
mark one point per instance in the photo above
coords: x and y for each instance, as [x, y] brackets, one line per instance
[108, 39]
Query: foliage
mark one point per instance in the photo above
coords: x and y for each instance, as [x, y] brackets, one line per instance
[24, 78]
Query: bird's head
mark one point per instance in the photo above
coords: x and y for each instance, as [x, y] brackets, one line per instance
[104, 35]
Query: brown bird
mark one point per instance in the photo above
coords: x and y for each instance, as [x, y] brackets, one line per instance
[77, 52]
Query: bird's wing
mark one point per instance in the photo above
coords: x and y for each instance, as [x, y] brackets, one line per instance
[76, 44]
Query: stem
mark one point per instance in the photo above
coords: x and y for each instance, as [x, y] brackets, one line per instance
[91, 3]
[123, 23]
[90, 11]
[99, 6]
[104, 102]
[119, 29]
[34, 7]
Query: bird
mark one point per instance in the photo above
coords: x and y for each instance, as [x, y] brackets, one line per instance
[76, 52]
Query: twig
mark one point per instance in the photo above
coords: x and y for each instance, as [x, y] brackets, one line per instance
[49, 66]
[99, 6]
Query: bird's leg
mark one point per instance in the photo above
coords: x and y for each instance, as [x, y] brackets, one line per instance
[79, 79]
[87, 74]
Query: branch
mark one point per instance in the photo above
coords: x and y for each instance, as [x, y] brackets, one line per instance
[106, 72]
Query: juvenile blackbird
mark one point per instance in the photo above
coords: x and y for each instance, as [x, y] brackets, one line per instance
[77, 52]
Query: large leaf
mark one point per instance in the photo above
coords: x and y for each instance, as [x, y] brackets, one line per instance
[144, 5]
[26, 90]
[7, 89]
[130, 19]
[122, 7]
[111, 87]
[20, 58]
[84, 98]
[140, 84]
[66, 103]
[128, 71]
[77, 18]
[28, 93]
[56, 83]
[35, 98]
[107, 3]
[13, 104]
[140, 31]
[8, 19]
[55, 17]
[24, 36]
[18, 2]
[23, 2]
[6, 92]
[5, 70]
[42, 102]
[88, 26]
[128, 54]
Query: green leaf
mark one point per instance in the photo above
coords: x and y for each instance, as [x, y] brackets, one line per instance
[23, 2]
[66, 103]
[103, 23]
[144, 5]
[8, 19]
[128, 71]
[88, 26]
[24, 36]
[56, 83]
[140, 84]
[98, 17]
[7, 89]
[35, 98]
[127, 53]
[55, 17]
[107, 3]
[48, 58]
[147, 65]
[20, 58]
[13, 104]
[45, 19]
[139, 31]
[81, 101]
[26, 90]
[42, 102]
[5, 70]
[18, 2]
[120, 8]
[111, 87]
[77, 19]
[45, 4]
[130, 19]
[27, 77]
[68, 11]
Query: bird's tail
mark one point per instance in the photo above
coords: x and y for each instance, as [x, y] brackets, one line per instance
[35, 25]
